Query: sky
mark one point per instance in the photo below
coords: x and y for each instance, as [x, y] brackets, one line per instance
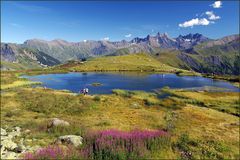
[97, 20]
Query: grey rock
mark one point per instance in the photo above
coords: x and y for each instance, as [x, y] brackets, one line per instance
[9, 155]
[70, 139]
[57, 122]
[8, 144]
[3, 132]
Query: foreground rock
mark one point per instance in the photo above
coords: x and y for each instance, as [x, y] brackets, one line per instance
[9, 148]
[70, 139]
[3, 132]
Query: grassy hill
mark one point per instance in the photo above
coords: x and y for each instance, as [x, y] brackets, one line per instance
[131, 62]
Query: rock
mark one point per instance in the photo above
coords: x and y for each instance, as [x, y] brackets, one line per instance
[17, 129]
[27, 131]
[14, 134]
[3, 132]
[70, 139]
[18, 149]
[9, 155]
[8, 144]
[57, 122]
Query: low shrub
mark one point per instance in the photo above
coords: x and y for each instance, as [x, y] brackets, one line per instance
[123, 93]
[114, 144]
[97, 98]
[149, 102]
[53, 152]
[199, 149]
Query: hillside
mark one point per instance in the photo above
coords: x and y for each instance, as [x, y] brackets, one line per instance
[130, 62]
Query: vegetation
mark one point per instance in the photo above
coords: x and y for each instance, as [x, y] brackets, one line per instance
[132, 62]
[96, 84]
[209, 119]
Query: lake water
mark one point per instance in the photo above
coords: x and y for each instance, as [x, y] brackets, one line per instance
[128, 81]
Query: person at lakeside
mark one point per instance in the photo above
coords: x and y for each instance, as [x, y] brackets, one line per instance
[86, 90]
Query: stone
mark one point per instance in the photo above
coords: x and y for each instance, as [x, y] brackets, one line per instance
[70, 139]
[9, 155]
[57, 122]
[18, 149]
[3, 132]
[8, 144]
[17, 129]
[14, 134]
[27, 131]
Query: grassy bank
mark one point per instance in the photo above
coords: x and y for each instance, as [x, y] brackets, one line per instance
[207, 127]
[235, 80]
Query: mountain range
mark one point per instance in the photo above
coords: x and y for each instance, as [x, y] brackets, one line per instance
[192, 51]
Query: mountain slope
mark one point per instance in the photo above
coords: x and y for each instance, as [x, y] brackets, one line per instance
[219, 56]
[16, 57]
[192, 51]
[64, 51]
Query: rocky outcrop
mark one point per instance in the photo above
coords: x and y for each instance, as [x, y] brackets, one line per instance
[70, 139]
[11, 148]
[7, 53]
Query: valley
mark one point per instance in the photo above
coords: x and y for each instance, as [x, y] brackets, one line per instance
[199, 120]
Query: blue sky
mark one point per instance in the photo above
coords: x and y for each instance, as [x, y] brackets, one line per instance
[78, 20]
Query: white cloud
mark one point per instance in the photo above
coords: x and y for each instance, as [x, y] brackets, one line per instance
[106, 38]
[211, 15]
[128, 35]
[217, 4]
[84, 40]
[195, 22]
[16, 25]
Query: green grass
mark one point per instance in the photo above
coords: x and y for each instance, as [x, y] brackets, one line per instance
[222, 101]
[131, 62]
[211, 131]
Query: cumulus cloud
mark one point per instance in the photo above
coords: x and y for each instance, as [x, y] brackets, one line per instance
[128, 35]
[211, 15]
[195, 22]
[106, 38]
[217, 4]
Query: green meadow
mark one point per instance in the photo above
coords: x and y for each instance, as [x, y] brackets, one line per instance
[202, 124]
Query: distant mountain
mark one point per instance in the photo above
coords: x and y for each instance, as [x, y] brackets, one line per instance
[24, 57]
[220, 56]
[195, 51]
[64, 51]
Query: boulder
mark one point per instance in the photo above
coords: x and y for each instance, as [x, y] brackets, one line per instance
[9, 155]
[17, 129]
[57, 122]
[8, 144]
[70, 139]
[3, 132]
[14, 134]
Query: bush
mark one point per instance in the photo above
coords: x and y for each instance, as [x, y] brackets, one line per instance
[53, 152]
[148, 102]
[97, 98]
[199, 149]
[179, 72]
[123, 93]
[114, 144]
[12, 113]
